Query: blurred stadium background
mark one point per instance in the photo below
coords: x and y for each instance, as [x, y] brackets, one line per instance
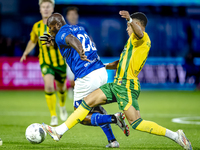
[173, 27]
[173, 64]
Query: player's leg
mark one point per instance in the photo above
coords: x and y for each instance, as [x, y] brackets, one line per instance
[50, 97]
[95, 98]
[60, 77]
[81, 89]
[131, 109]
[102, 119]
[62, 94]
[137, 123]
[127, 93]
[84, 86]
[99, 113]
[98, 116]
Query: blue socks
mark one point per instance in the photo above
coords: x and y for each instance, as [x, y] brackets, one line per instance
[103, 121]
[108, 132]
[98, 119]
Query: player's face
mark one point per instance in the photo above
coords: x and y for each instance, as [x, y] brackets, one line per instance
[129, 29]
[46, 9]
[72, 17]
[53, 29]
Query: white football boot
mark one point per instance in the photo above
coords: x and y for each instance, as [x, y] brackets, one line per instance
[63, 113]
[54, 121]
[51, 131]
[183, 141]
[121, 123]
[113, 144]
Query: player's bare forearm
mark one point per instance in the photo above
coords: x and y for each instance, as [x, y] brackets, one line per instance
[112, 65]
[136, 28]
[30, 46]
[76, 44]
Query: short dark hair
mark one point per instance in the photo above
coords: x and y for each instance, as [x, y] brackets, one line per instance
[141, 17]
[71, 8]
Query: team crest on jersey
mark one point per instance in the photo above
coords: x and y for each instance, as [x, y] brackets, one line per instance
[44, 69]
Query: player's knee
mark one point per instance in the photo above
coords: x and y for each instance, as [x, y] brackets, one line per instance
[49, 88]
[131, 120]
[95, 99]
[89, 101]
[61, 87]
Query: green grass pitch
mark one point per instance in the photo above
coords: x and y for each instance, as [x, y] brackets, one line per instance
[19, 109]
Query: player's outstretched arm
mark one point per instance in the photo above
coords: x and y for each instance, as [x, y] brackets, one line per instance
[136, 28]
[28, 49]
[112, 65]
[76, 44]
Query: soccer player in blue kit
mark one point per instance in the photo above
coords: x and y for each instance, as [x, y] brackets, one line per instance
[90, 73]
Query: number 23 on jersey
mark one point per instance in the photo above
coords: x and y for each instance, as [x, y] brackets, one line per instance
[86, 42]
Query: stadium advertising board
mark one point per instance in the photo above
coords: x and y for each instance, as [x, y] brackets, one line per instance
[158, 73]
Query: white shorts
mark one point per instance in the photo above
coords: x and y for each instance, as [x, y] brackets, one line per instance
[86, 85]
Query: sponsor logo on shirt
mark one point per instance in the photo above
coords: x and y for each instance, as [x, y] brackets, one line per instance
[91, 62]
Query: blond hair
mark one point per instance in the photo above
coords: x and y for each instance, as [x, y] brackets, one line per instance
[50, 1]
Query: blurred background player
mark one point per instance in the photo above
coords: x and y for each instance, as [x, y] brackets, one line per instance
[53, 66]
[72, 15]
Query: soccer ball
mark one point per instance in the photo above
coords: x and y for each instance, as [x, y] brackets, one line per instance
[35, 133]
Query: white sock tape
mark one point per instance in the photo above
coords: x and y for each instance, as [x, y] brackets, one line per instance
[1, 142]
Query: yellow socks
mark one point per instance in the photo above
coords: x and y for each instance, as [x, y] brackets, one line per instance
[62, 98]
[148, 126]
[78, 115]
[51, 102]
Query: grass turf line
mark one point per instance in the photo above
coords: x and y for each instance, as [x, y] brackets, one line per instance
[18, 109]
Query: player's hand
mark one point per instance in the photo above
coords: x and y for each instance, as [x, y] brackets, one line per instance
[125, 14]
[83, 56]
[23, 57]
[48, 39]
